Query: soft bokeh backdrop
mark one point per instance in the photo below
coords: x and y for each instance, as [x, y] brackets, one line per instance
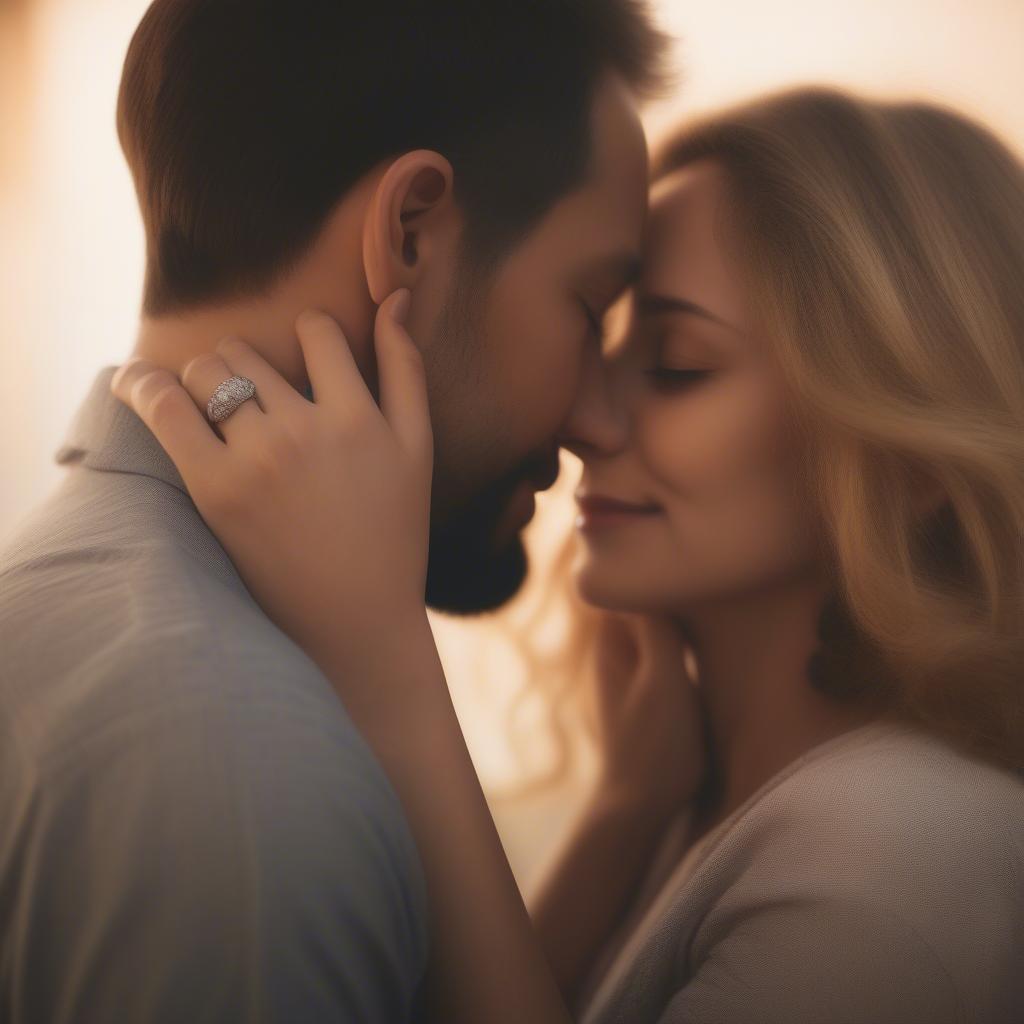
[71, 248]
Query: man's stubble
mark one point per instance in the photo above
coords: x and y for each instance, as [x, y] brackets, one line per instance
[470, 569]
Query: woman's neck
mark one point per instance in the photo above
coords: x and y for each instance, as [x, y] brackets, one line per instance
[762, 711]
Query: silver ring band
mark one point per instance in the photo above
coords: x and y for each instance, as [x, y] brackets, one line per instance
[228, 397]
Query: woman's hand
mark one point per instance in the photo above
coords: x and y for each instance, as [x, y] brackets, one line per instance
[649, 716]
[652, 751]
[323, 507]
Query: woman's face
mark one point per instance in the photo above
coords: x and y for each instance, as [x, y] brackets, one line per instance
[711, 467]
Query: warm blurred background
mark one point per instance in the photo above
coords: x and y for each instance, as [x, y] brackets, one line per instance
[71, 251]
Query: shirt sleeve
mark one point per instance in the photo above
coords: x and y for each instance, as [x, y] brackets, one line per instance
[809, 960]
[213, 860]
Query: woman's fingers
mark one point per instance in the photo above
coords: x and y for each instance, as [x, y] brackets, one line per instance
[332, 371]
[403, 386]
[661, 638]
[616, 653]
[273, 392]
[170, 413]
[330, 365]
[663, 646]
[201, 378]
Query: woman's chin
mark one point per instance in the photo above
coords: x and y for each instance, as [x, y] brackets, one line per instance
[612, 591]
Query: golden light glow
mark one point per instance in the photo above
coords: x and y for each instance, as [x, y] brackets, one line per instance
[71, 247]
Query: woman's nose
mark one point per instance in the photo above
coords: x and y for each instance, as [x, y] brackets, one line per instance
[597, 423]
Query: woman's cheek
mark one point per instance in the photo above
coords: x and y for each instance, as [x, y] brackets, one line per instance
[724, 472]
[675, 440]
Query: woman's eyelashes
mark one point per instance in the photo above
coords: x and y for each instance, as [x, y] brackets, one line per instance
[668, 378]
[595, 321]
[664, 361]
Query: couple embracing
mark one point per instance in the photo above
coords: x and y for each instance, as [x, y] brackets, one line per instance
[381, 243]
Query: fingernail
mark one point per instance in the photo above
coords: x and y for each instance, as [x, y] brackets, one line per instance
[115, 381]
[308, 315]
[400, 307]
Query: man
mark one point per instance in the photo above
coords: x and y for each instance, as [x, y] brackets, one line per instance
[192, 827]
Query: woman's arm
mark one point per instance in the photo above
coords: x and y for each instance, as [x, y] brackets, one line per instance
[590, 883]
[487, 964]
[652, 762]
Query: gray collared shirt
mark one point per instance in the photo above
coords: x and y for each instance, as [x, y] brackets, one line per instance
[191, 828]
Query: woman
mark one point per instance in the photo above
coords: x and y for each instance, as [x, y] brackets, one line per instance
[822, 488]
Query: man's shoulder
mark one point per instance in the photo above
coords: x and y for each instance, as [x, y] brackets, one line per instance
[167, 651]
[99, 530]
[147, 706]
[144, 624]
[244, 832]
[240, 740]
[117, 573]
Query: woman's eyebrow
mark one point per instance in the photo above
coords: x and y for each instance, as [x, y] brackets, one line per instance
[649, 303]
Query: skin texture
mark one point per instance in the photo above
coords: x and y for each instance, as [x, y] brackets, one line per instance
[731, 547]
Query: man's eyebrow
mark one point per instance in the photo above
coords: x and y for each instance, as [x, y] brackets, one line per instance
[652, 304]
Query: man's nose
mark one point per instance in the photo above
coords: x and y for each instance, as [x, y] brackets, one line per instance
[597, 423]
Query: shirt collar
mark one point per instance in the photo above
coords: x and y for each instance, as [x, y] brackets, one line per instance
[109, 436]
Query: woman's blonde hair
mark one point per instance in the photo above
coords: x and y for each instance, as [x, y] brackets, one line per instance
[883, 247]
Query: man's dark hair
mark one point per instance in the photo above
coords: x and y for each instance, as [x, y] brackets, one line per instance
[245, 121]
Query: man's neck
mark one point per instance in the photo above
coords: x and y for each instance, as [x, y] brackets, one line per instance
[173, 341]
[267, 324]
[330, 278]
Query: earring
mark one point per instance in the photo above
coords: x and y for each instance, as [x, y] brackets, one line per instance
[834, 668]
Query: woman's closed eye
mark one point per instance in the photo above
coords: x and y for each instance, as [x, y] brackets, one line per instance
[595, 321]
[672, 378]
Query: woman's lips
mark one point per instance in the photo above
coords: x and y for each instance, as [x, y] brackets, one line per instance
[598, 510]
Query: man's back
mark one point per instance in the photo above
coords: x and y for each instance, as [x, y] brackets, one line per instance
[190, 826]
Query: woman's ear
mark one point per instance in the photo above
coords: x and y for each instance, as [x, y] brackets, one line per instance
[414, 191]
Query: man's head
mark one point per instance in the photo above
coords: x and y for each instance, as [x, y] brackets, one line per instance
[500, 171]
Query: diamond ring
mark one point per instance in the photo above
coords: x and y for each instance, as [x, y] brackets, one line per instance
[228, 397]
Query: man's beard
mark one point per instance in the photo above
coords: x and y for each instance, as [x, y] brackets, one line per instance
[470, 569]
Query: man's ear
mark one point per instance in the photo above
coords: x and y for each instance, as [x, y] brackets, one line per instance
[415, 190]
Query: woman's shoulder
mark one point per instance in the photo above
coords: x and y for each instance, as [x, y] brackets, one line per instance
[889, 809]
[898, 774]
[889, 845]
